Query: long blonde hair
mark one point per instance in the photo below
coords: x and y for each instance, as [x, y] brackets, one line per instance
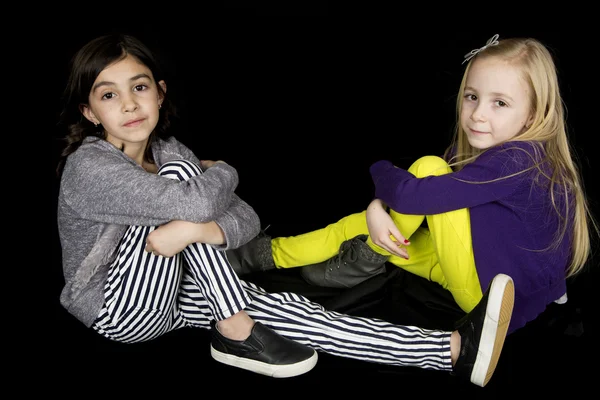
[537, 68]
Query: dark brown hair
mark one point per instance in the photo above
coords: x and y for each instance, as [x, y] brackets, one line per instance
[85, 66]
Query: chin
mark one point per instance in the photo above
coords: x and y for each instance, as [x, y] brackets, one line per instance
[479, 144]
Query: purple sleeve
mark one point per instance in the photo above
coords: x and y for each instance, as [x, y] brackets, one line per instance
[475, 184]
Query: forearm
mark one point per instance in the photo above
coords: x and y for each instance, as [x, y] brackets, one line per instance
[205, 232]
[233, 228]
[172, 237]
[377, 203]
[239, 230]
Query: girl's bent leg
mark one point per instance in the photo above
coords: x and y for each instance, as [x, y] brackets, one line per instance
[408, 224]
[147, 295]
[443, 252]
[145, 301]
[210, 284]
[208, 279]
[140, 293]
[212, 275]
[451, 234]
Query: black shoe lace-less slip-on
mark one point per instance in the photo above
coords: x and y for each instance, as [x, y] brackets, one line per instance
[264, 352]
[483, 332]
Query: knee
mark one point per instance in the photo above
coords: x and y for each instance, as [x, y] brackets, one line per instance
[429, 165]
[181, 170]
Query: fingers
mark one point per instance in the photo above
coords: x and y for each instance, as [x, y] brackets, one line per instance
[149, 249]
[397, 250]
[205, 164]
[394, 246]
[399, 240]
[395, 233]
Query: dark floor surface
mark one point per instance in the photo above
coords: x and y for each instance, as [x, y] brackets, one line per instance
[550, 354]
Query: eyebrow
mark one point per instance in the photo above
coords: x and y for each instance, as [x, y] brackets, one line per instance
[108, 83]
[496, 94]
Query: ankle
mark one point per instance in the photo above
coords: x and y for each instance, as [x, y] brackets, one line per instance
[237, 327]
[454, 347]
[266, 253]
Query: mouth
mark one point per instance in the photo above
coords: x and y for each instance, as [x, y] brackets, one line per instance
[133, 122]
[474, 132]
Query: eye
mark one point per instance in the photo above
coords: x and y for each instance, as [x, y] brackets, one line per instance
[471, 97]
[139, 88]
[500, 103]
[107, 96]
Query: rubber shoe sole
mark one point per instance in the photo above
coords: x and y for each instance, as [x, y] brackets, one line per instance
[275, 371]
[495, 326]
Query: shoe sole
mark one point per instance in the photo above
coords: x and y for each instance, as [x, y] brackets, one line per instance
[259, 367]
[497, 319]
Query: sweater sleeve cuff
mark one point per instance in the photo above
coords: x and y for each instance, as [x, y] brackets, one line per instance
[228, 225]
[378, 168]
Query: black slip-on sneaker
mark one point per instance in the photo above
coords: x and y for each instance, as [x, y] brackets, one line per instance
[264, 352]
[483, 331]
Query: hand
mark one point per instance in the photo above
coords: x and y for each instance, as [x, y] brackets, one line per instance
[382, 230]
[206, 164]
[170, 238]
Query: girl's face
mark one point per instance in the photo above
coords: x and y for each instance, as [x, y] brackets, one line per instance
[125, 100]
[496, 103]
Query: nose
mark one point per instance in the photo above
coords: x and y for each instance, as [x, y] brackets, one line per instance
[478, 115]
[128, 103]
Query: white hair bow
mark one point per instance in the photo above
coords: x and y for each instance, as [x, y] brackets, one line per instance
[492, 42]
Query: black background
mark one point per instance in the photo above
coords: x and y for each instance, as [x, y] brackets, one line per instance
[301, 99]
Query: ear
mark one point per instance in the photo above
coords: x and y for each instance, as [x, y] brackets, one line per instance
[161, 96]
[88, 114]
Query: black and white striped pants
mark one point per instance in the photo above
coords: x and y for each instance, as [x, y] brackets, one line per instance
[147, 296]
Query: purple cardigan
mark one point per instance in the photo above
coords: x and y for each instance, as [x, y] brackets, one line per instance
[510, 219]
